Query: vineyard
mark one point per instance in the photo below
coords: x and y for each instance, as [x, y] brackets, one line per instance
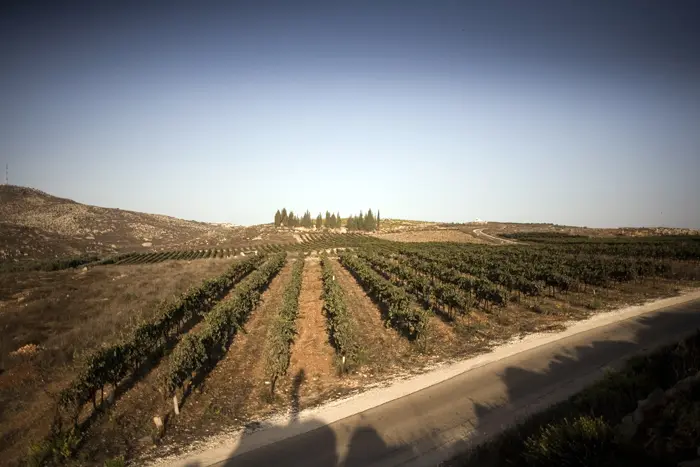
[307, 242]
[384, 305]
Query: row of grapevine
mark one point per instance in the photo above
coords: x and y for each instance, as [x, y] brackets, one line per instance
[48, 264]
[684, 247]
[453, 271]
[402, 315]
[198, 352]
[342, 333]
[484, 284]
[326, 241]
[566, 270]
[529, 269]
[282, 331]
[446, 297]
[110, 365]
[157, 257]
[316, 241]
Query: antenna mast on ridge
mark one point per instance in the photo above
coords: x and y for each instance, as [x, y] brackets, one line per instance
[7, 174]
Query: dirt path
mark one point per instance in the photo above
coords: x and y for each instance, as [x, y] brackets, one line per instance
[312, 360]
[497, 240]
[384, 349]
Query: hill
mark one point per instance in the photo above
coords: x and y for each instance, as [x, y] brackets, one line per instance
[34, 224]
[37, 225]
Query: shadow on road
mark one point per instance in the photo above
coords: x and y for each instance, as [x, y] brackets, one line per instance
[302, 443]
[584, 363]
[516, 388]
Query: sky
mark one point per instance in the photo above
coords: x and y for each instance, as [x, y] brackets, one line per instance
[576, 113]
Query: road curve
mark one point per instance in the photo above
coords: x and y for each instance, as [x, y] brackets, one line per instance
[431, 425]
[481, 233]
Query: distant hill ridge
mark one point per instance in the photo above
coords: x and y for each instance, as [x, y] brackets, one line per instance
[36, 224]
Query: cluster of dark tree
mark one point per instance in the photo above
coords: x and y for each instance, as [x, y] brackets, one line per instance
[331, 221]
[284, 219]
[366, 222]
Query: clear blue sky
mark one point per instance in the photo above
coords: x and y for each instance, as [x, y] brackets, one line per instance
[584, 113]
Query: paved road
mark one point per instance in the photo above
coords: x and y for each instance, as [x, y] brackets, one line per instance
[429, 426]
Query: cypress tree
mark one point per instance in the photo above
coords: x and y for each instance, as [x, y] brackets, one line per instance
[284, 217]
[377, 219]
[319, 221]
[278, 218]
[328, 220]
[369, 223]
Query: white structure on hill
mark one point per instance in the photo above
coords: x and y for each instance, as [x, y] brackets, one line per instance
[479, 221]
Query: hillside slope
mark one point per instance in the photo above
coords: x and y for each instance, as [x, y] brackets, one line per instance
[34, 224]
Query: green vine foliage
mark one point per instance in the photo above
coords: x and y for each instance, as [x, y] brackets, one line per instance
[402, 315]
[282, 332]
[199, 351]
[340, 328]
[430, 290]
[489, 272]
[110, 365]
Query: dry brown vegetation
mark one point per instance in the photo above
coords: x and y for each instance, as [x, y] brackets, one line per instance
[61, 315]
[36, 225]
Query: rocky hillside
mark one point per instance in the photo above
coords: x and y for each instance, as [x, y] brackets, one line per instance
[36, 225]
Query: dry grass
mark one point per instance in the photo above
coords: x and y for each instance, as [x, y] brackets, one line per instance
[36, 225]
[65, 314]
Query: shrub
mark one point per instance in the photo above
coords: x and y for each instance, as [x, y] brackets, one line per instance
[584, 441]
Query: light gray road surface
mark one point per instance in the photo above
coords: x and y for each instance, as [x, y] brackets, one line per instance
[431, 425]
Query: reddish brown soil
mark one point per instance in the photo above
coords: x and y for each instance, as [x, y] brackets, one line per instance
[312, 359]
[384, 349]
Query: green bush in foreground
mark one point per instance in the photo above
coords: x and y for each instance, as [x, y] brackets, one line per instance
[547, 439]
[584, 441]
